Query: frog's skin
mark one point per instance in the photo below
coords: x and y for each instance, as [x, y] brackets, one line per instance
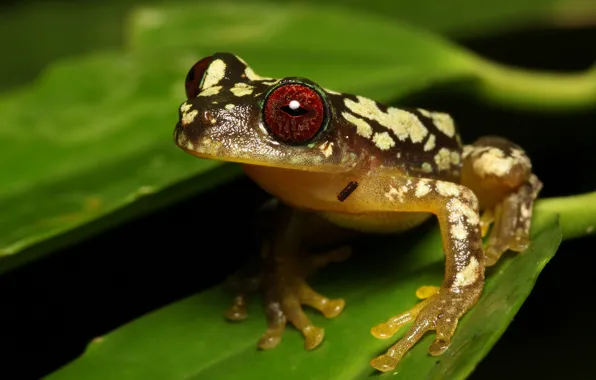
[304, 144]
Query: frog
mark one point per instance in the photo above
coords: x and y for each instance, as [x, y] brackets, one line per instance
[344, 161]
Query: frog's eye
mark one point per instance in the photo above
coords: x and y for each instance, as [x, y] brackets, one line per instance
[195, 77]
[294, 113]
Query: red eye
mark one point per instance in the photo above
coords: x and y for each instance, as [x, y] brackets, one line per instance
[294, 113]
[195, 76]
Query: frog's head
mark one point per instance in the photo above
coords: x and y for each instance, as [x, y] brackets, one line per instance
[232, 114]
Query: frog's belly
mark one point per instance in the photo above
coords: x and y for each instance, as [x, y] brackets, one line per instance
[382, 222]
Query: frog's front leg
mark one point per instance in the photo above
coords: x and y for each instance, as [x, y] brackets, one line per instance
[456, 208]
[285, 264]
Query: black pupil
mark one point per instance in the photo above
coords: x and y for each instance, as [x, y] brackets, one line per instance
[294, 112]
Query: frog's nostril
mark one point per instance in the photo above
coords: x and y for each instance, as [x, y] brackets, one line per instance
[208, 118]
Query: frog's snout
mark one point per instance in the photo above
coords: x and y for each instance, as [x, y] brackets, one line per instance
[191, 120]
[184, 136]
[195, 128]
[227, 131]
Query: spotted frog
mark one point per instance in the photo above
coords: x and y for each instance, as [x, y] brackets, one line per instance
[343, 161]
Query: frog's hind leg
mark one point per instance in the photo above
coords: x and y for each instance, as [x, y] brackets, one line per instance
[280, 275]
[500, 174]
[285, 290]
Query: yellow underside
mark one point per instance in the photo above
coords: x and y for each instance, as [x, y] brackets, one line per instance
[377, 222]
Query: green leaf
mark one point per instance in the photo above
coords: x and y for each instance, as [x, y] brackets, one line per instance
[285, 40]
[93, 134]
[190, 339]
[577, 213]
[79, 34]
[460, 17]
[269, 42]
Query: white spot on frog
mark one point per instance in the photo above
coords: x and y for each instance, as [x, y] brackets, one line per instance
[326, 148]
[422, 188]
[402, 123]
[469, 274]
[441, 120]
[362, 127]
[444, 123]
[383, 141]
[251, 75]
[181, 139]
[210, 91]
[447, 189]
[443, 159]
[406, 124]
[241, 60]
[391, 194]
[271, 82]
[458, 209]
[400, 193]
[525, 211]
[332, 92]
[185, 107]
[189, 117]
[455, 158]
[430, 143]
[493, 162]
[242, 89]
[215, 72]
[458, 231]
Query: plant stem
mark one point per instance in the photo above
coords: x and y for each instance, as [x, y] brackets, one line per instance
[577, 213]
[525, 89]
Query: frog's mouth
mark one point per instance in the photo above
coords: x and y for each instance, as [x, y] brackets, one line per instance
[249, 149]
[210, 148]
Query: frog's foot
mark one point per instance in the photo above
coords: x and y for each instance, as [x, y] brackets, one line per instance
[440, 312]
[512, 217]
[242, 284]
[285, 291]
[283, 302]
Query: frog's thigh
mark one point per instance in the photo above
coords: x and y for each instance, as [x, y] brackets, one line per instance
[456, 208]
[500, 174]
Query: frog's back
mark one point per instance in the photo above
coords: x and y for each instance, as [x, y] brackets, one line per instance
[414, 141]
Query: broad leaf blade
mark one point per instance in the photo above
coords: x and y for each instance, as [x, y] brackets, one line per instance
[20, 26]
[94, 133]
[190, 340]
[89, 139]
[356, 53]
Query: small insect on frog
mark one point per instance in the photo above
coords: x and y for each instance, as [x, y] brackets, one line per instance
[335, 159]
